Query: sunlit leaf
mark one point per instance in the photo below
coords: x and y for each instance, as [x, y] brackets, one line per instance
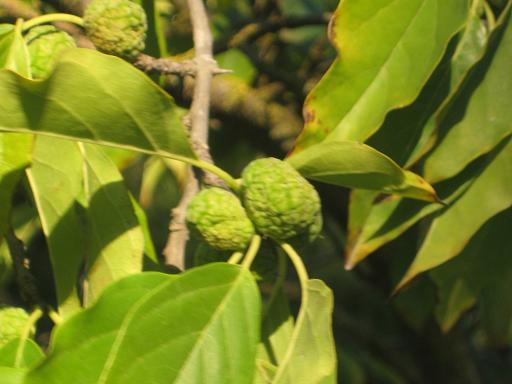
[14, 157]
[480, 117]
[56, 183]
[387, 51]
[13, 51]
[115, 239]
[310, 357]
[201, 326]
[20, 354]
[356, 165]
[450, 232]
[83, 100]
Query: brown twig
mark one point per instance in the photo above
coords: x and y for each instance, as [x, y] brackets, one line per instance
[199, 123]
[169, 67]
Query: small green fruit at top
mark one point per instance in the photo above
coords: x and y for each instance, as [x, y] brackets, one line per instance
[12, 323]
[116, 27]
[281, 203]
[45, 44]
[219, 219]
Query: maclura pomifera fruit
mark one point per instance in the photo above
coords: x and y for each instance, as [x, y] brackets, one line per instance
[116, 27]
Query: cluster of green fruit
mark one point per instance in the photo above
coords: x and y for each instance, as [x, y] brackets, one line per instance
[116, 27]
[275, 202]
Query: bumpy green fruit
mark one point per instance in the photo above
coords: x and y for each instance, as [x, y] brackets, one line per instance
[116, 27]
[12, 323]
[218, 217]
[280, 202]
[45, 44]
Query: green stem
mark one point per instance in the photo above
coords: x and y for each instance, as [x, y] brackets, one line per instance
[489, 16]
[52, 17]
[235, 258]
[212, 168]
[254, 247]
[32, 320]
[302, 273]
[56, 318]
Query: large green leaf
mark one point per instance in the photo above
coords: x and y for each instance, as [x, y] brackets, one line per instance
[10, 375]
[450, 232]
[20, 353]
[483, 270]
[56, 183]
[276, 329]
[310, 357]
[115, 239]
[96, 98]
[201, 326]
[14, 157]
[87, 216]
[481, 116]
[352, 164]
[387, 51]
[372, 225]
[14, 149]
[407, 133]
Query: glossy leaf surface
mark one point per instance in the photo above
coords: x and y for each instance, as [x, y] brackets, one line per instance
[201, 326]
[477, 124]
[488, 195]
[356, 165]
[387, 51]
[133, 112]
[310, 357]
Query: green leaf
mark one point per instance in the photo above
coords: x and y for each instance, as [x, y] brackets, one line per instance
[5, 28]
[311, 357]
[276, 330]
[115, 238]
[482, 271]
[407, 133]
[200, 326]
[10, 375]
[149, 248]
[86, 215]
[14, 157]
[482, 103]
[83, 100]
[29, 354]
[355, 165]
[13, 51]
[56, 182]
[387, 51]
[450, 232]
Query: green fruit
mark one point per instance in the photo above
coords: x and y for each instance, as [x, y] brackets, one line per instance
[116, 27]
[12, 323]
[280, 202]
[45, 44]
[218, 218]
